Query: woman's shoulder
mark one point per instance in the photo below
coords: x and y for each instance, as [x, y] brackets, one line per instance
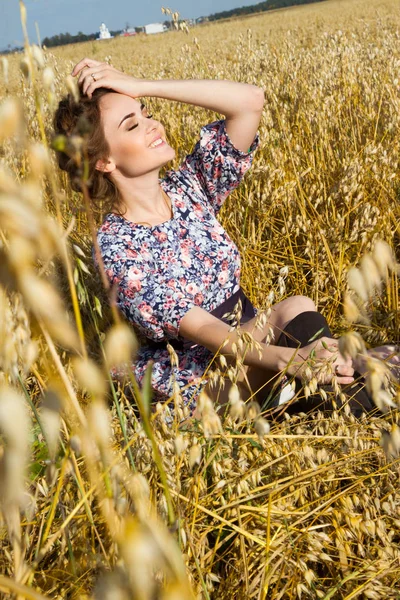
[110, 225]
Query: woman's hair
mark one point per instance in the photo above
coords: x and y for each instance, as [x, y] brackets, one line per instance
[75, 120]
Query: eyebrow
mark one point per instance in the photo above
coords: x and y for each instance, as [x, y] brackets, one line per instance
[130, 115]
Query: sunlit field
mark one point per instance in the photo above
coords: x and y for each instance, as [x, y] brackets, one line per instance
[104, 495]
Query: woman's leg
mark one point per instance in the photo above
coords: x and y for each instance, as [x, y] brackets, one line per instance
[298, 332]
[297, 329]
[284, 312]
[253, 381]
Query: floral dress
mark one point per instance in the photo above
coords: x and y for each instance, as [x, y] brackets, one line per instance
[161, 272]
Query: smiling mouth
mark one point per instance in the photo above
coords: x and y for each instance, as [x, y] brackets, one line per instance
[157, 142]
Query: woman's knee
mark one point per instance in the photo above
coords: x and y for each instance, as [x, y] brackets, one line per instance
[301, 304]
[288, 309]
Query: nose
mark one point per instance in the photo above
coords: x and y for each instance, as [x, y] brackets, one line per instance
[154, 127]
[152, 124]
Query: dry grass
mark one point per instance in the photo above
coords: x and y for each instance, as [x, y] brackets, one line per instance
[120, 502]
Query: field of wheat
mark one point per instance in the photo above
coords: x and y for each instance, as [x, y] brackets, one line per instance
[103, 498]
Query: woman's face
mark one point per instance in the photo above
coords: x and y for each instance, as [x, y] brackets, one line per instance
[137, 141]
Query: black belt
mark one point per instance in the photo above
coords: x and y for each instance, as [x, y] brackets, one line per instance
[227, 306]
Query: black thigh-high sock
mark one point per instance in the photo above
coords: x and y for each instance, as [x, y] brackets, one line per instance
[299, 332]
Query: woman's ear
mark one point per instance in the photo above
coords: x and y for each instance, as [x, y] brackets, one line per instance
[105, 165]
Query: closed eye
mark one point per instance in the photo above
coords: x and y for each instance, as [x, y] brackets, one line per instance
[142, 108]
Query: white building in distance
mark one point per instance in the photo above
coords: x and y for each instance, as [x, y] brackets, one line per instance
[155, 28]
[104, 33]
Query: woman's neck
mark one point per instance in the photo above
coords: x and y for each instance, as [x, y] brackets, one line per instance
[142, 198]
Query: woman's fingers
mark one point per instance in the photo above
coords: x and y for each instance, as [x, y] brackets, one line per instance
[90, 72]
[345, 380]
[98, 71]
[95, 78]
[91, 81]
[85, 62]
[344, 371]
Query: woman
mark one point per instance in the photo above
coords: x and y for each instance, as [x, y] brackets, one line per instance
[175, 269]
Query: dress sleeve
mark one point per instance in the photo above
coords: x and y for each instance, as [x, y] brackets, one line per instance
[217, 164]
[151, 302]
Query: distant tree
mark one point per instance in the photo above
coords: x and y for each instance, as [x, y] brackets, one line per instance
[260, 7]
[66, 38]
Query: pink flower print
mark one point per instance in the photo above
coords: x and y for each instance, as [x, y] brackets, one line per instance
[161, 236]
[186, 245]
[208, 262]
[199, 299]
[216, 236]
[223, 277]
[171, 283]
[135, 273]
[134, 277]
[135, 285]
[224, 265]
[206, 279]
[145, 310]
[130, 253]
[144, 253]
[198, 211]
[180, 203]
[192, 289]
[220, 254]
[186, 261]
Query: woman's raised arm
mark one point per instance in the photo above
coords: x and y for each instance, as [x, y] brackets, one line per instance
[240, 103]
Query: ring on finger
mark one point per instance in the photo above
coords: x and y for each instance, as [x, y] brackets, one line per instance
[93, 77]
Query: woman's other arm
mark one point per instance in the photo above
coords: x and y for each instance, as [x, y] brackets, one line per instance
[207, 330]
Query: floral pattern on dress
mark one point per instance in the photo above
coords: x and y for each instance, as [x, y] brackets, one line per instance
[161, 272]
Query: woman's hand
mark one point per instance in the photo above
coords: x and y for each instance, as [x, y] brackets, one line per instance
[324, 350]
[94, 74]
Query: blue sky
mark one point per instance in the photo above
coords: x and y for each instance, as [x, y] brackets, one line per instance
[61, 16]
